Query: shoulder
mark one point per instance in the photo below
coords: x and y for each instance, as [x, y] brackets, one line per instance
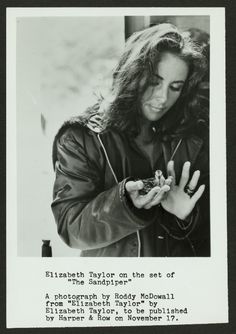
[90, 122]
[72, 129]
[80, 135]
[71, 137]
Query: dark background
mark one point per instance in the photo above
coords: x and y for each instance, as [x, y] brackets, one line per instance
[230, 7]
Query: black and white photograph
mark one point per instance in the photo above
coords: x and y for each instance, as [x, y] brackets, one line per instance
[115, 151]
[132, 164]
[128, 168]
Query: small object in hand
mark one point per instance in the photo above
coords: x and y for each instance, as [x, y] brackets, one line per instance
[160, 180]
[151, 182]
[148, 185]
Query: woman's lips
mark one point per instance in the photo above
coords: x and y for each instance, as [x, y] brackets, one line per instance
[156, 109]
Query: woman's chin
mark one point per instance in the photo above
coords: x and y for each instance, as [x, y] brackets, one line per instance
[154, 117]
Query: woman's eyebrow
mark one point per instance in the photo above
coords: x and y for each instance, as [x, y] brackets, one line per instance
[177, 81]
[158, 76]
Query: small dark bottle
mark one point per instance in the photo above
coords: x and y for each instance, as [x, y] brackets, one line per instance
[46, 249]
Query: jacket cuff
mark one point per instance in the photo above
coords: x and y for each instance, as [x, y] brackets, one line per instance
[181, 229]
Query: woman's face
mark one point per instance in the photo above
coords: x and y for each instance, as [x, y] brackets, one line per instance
[165, 86]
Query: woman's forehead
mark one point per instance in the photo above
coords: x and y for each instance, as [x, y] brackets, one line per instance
[171, 67]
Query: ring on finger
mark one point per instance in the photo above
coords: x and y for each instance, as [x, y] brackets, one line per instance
[189, 191]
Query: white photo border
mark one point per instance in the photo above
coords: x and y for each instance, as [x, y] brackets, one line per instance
[207, 294]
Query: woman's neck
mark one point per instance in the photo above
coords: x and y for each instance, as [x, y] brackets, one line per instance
[146, 131]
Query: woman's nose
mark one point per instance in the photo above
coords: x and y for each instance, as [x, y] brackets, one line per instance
[161, 94]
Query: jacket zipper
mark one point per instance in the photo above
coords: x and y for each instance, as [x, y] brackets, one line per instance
[176, 148]
[114, 175]
[108, 161]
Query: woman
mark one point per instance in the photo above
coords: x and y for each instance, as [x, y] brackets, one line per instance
[152, 120]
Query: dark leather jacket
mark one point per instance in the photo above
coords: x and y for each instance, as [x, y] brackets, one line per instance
[91, 208]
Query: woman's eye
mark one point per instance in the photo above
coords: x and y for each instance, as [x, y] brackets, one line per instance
[176, 88]
[155, 82]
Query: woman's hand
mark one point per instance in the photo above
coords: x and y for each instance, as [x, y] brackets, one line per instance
[178, 202]
[152, 198]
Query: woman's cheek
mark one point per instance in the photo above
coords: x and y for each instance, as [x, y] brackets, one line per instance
[148, 94]
[174, 99]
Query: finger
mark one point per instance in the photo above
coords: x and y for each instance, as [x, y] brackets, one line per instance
[194, 180]
[141, 201]
[171, 170]
[146, 199]
[158, 197]
[185, 175]
[198, 194]
[162, 181]
[169, 181]
[132, 186]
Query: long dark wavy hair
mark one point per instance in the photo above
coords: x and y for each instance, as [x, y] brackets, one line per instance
[138, 61]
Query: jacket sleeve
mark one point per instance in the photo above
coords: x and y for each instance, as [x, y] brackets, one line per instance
[87, 216]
